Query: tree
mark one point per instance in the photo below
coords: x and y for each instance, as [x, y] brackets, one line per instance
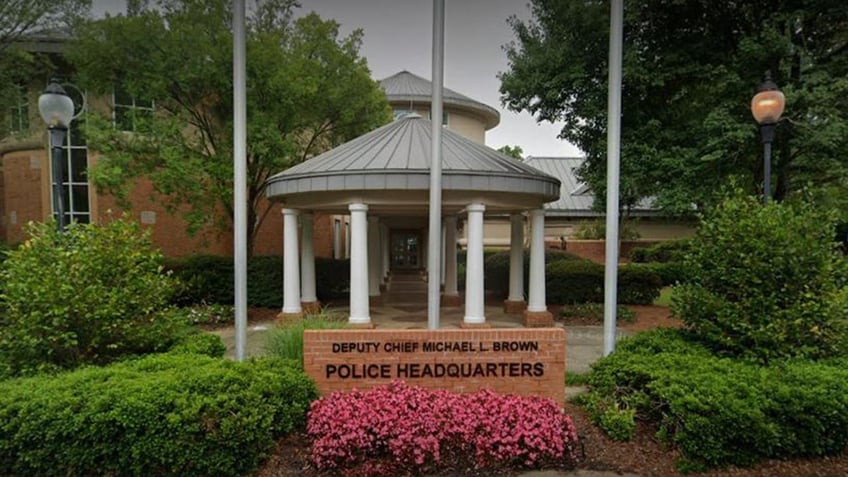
[307, 90]
[690, 70]
[514, 152]
[19, 18]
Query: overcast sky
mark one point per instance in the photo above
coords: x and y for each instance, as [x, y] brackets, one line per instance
[398, 36]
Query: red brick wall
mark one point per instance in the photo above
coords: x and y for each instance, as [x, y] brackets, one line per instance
[323, 235]
[595, 250]
[23, 192]
[343, 360]
[169, 230]
[269, 237]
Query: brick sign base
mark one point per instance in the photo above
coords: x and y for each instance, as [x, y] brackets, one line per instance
[521, 361]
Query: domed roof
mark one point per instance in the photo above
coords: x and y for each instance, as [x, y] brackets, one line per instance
[407, 87]
[396, 157]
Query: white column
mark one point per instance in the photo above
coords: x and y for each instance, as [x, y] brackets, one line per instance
[384, 240]
[537, 261]
[347, 238]
[291, 267]
[474, 290]
[450, 256]
[307, 260]
[337, 238]
[374, 256]
[359, 306]
[516, 258]
[442, 279]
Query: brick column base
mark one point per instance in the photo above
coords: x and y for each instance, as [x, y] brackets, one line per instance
[452, 300]
[473, 326]
[514, 306]
[538, 319]
[311, 307]
[289, 317]
[360, 326]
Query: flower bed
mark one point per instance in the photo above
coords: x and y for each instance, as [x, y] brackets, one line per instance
[405, 430]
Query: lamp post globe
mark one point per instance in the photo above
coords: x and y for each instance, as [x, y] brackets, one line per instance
[57, 111]
[767, 107]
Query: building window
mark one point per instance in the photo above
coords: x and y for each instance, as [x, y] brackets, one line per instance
[75, 167]
[399, 113]
[19, 112]
[444, 117]
[128, 112]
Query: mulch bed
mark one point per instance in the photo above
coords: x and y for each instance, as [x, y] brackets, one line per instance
[644, 455]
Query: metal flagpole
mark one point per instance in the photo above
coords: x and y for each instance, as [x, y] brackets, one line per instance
[239, 178]
[434, 241]
[613, 169]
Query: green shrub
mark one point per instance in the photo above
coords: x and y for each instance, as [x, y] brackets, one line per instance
[574, 281]
[286, 341]
[201, 343]
[766, 282]
[670, 273]
[617, 422]
[90, 295]
[582, 281]
[496, 268]
[208, 279]
[597, 230]
[663, 252]
[595, 312]
[638, 285]
[210, 314]
[170, 414]
[721, 411]
[332, 278]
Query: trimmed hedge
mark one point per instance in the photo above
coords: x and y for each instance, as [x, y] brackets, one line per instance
[496, 269]
[582, 281]
[670, 273]
[671, 251]
[206, 344]
[209, 279]
[171, 414]
[721, 411]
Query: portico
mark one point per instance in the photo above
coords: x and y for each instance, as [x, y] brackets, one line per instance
[381, 180]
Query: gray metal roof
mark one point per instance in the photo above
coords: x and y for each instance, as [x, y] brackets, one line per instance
[575, 197]
[397, 157]
[406, 87]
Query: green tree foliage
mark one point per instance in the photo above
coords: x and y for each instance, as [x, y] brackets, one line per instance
[19, 19]
[307, 91]
[88, 295]
[766, 282]
[690, 70]
[514, 152]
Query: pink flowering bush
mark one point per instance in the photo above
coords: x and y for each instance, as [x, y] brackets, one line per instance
[415, 430]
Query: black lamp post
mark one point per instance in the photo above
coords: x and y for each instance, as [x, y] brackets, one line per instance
[57, 110]
[767, 106]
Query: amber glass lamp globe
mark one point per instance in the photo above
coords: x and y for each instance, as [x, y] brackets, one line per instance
[767, 106]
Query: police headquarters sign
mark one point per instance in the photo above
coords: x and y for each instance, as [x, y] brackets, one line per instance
[527, 361]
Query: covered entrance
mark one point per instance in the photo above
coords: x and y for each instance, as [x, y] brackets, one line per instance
[406, 249]
[381, 179]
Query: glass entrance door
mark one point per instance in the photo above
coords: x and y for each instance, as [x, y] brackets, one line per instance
[405, 249]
